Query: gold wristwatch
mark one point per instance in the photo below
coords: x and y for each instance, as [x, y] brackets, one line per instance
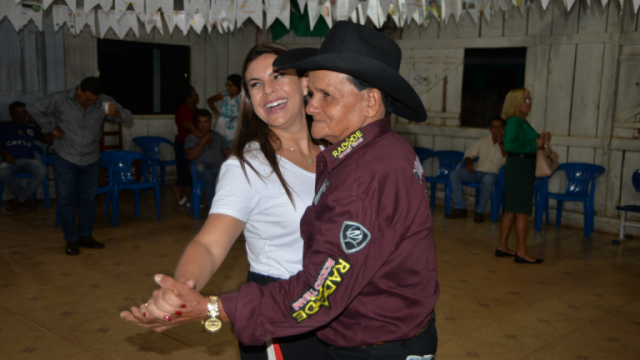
[212, 323]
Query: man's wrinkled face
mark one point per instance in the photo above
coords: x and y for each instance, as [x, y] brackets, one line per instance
[203, 123]
[86, 98]
[337, 107]
[19, 115]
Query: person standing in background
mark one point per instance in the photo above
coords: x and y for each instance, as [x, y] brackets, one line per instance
[75, 118]
[184, 122]
[227, 117]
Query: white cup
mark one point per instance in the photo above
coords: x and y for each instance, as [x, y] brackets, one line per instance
[105, 106]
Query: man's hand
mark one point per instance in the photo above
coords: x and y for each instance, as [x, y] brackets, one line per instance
[173, 304]
[469, 166]
[57, 132]
[8, 158]
[208, 139]
[113, 111]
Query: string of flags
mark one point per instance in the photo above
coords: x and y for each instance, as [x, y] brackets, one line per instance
[227, 15]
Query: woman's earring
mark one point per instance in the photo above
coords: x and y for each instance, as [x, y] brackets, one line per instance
[305, 92]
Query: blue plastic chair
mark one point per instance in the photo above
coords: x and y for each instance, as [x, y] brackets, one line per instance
[423, 153]
[196, 193]
[581, 186]
[24, 175]
[118, 165]
[543, 205]
[497, 195]
[447, 163]
[150, 146]
[635, 180]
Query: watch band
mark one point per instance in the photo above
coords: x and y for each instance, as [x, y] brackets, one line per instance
[212, 323]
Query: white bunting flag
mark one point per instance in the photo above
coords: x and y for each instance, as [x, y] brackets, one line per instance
[211, 21]
[249, 9]
[301, 4]
[363, 8]
[193, 7]
[120, 7]
[415, 11]
[351, 9]
[181, 22]
[31, 11]
[13, 12]
[153, 6]
[278, 9]
[46, 4]
[224, 13]
[153, 20]
[128, 20]
[314, 9]
[326, 13]
[108, 20]
[569, 3]
[342, 10]
[72, 5]
[472, 8]
[83, 19]
[138, 7]
[197, 22]
[89, 5]
[384, 6]
[394, 14]
[63, 15]
[170, 18]
[105, 4]
[636, 4]
[372, 12]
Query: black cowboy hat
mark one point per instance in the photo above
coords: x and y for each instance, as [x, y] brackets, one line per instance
[365, 54]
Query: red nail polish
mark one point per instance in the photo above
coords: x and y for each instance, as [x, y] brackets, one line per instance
[144, 314]
[178, 312]
[183, 305]
[167, 317]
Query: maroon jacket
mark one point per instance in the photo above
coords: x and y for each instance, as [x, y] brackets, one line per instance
[369, 264]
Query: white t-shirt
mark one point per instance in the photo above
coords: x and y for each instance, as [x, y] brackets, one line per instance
[272, 233]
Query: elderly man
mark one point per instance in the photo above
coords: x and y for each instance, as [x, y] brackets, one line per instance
[491, 156]
[208, 152]
[16, 148]
[75, 118]
[368, 284]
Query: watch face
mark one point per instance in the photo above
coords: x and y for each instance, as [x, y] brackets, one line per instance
[213, 324]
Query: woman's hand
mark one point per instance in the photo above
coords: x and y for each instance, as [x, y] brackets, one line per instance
[547, 137]
[540, 141]
[173, 304]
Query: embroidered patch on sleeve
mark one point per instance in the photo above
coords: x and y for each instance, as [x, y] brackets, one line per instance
[326, 284]
[353, 236]
[348, 144]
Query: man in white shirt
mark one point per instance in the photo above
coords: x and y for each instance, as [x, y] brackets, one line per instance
[491, 156]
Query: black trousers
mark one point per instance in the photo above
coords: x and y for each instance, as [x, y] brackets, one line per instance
[299, 347]
[418, 348]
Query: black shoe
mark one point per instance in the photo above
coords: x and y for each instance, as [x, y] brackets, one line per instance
[500, 253]
[90, 242]
[457, 214]
[72, 248]
[520, 260]
[479, 218]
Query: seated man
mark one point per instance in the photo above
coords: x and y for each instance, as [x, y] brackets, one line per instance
[16, 141]
[492, 156]
[208, 152]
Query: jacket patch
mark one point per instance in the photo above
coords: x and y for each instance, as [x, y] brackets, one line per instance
[348, 144]
[353, 236]
[326, 284]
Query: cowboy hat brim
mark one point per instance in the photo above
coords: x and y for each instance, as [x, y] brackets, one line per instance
[407, 102]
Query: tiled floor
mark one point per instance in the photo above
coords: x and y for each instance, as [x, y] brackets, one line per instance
[582, 303]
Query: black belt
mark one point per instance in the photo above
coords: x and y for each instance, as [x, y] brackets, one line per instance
[528, 156]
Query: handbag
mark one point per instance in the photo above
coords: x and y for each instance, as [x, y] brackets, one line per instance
[546, 161]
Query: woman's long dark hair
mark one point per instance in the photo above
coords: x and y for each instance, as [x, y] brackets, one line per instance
[252, 128]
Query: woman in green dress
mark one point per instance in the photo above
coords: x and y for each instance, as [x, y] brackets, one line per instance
[521, 142]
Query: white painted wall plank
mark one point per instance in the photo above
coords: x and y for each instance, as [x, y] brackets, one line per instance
[515, 24]
[593, 19]
[494, 28]
[561, 63]
[564, 22]
[540, 21]
[586, 90]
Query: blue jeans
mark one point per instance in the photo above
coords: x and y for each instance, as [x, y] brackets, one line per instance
[486, 179]
[208, 175]
[34, 167]
[76, 188]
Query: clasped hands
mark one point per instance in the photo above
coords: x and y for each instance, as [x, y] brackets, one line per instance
[174, 303]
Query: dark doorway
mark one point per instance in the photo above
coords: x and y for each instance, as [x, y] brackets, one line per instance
[144, 78]
[489, 74]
